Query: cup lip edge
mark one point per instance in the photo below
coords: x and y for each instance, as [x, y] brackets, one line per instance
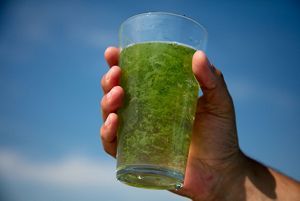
[166, 13]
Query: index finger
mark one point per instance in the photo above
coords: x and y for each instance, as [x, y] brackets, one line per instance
[111, 55]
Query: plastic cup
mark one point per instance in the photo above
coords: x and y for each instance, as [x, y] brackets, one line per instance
[161, 92]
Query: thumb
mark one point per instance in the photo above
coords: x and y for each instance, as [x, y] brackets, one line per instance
[211, 81]
[204, 71]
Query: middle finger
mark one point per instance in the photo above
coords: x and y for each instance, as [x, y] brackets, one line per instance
[111, 79]
[112, 101]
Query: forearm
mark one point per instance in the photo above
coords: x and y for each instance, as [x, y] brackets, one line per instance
[286, 188]
[254, 181]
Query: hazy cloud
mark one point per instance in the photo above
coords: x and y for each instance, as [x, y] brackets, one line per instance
[74, 177]
[71, 171]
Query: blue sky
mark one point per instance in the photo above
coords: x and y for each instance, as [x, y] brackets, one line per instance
[51, 61]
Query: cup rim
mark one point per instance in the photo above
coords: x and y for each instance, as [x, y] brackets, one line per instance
[169, 14]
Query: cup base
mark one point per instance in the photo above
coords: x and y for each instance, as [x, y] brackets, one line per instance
[151, 177]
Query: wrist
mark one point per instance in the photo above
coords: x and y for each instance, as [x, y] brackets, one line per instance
[231, 186]
[249, 180]
[228, 180]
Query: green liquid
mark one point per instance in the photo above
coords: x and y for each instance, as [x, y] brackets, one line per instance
[157, 116]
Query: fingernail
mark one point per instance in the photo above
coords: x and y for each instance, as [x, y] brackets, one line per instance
[212, 68]
[107, 121]
[212, 84]
[212, 72]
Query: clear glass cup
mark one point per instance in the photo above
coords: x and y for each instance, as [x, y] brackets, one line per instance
[161, 92]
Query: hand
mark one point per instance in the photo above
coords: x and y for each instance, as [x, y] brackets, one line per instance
[214, 149]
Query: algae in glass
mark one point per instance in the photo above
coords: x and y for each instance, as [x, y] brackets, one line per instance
[157, 115]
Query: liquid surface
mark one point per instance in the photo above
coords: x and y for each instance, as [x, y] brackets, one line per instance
[157, 116]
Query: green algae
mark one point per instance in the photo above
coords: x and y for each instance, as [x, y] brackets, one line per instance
[157, 115]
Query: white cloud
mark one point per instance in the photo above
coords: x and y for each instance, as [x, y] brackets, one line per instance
[72, 178]
[70, 171]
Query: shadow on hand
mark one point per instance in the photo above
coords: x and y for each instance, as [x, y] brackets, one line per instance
[256, 181]
[262, 179]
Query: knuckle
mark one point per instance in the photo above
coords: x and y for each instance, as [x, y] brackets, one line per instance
[102, 133]
[103, 103]
[103, 80]
[104, 83]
